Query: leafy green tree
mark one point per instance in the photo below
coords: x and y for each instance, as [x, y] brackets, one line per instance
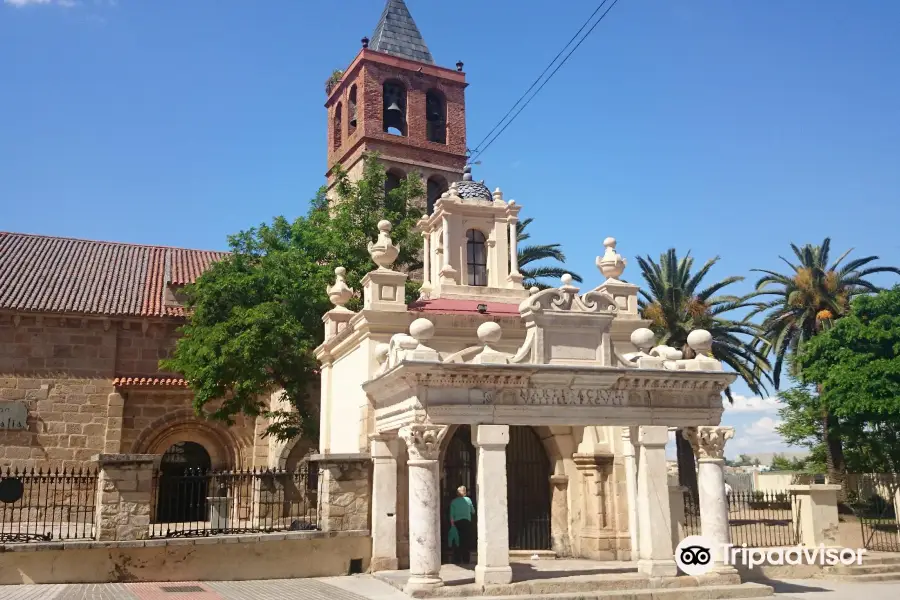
[676, 302]
[805, 301]
[528, 255]
[856, 366]
[783, 463]
[256, 316]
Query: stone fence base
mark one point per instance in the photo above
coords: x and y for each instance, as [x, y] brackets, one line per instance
[223, 558]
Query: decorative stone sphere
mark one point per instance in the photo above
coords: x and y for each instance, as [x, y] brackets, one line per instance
[700, 340]
[610, 242]
[489, 333]
[421, 329]
[533, 290]
[566, 279]
[340, 271]
[642, 338]
[385, 226]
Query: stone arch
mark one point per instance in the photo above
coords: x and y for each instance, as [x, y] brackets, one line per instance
[394, 99]
[338, 125]
[184, 426]
[295, 451]
[436, 186]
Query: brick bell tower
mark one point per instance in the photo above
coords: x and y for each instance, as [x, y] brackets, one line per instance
[394, 99]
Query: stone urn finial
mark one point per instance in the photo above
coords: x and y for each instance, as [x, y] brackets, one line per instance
[700, 341]
[340, 293]
[611, 264]
[383, 251]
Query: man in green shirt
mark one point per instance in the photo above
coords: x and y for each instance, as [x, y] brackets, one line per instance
[461, 512]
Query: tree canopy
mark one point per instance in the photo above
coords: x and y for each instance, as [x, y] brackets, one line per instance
[256, 316]
[856, 366]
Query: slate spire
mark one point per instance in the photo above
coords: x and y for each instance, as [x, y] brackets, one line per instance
[397, 34]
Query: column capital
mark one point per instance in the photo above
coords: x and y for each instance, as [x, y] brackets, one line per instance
[423, 442]
[708, 441]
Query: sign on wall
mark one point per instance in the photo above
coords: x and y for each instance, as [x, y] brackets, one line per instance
[13, 415]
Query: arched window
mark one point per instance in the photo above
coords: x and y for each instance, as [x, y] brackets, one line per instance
[436, 117]
[477, 257]
[338, 124]
[392, 180]
[437, 185]
[394, 109]
[352, 108]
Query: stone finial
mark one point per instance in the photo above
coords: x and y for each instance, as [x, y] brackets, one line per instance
[567, 286]
[643, 339]
[708, 441]
[383, 251]
[611, 264]
[453, 192]
[365, 42]
[382, 351]
[490, 333]
[498, 195]
[700, 341]
[533, 290]
[422, 330]
[425, 290]
[340, 293]
[459, 66]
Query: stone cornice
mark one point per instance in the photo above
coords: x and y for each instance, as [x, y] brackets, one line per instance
[415, 376]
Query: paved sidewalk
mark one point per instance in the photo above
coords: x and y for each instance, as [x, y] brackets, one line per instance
[362, 587]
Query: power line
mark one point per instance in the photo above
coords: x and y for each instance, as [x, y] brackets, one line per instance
[541, 76]
[558, 67]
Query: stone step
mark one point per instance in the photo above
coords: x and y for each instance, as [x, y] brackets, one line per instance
[881, 559]
[865, 569]
[873, 577]
[743, 591]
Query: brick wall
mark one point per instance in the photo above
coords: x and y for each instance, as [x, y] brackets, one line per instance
[368, 78]
[63, 369]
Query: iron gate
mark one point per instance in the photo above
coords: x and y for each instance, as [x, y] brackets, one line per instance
[871, 497]
[528, 491]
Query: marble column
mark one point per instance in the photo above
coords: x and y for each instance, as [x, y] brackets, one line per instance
[709, 446]
[629, 434]
[493, 525]
[384, 502]
[559, 516]
[423, 443]
[656, 555]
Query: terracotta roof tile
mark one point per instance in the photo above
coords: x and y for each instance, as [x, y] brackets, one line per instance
[149, 382]
[65, 275]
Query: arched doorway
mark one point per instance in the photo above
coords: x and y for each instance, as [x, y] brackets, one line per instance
[528, 473]
[182, 485]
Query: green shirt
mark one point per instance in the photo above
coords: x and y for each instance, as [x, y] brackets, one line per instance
[461, 509]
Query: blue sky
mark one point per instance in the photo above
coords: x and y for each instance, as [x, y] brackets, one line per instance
[724, 127]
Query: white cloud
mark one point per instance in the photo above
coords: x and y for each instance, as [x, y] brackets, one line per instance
[759, 436]
[755, 404]
[21, 3]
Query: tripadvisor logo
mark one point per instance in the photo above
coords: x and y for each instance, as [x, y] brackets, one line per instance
[694, 556]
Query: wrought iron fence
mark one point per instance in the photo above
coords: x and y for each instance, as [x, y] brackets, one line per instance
[872, 499]
[203, 503]
[39, 505]
[755, 518]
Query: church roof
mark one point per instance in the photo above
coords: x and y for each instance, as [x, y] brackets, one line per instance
[397, 34]
[64, 275]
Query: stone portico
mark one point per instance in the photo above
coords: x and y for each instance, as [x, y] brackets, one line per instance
[478, 372]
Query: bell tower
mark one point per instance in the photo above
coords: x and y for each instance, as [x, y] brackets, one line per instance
[393, 99]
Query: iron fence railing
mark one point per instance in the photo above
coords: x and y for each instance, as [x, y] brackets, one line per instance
[203, 503]
[756, 518]
[872, 498]
[42, 505]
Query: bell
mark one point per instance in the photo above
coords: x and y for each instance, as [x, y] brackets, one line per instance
[394, 117]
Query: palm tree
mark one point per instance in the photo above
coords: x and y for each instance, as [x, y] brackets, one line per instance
[531, 254]
[676, 304]
[802, 303]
